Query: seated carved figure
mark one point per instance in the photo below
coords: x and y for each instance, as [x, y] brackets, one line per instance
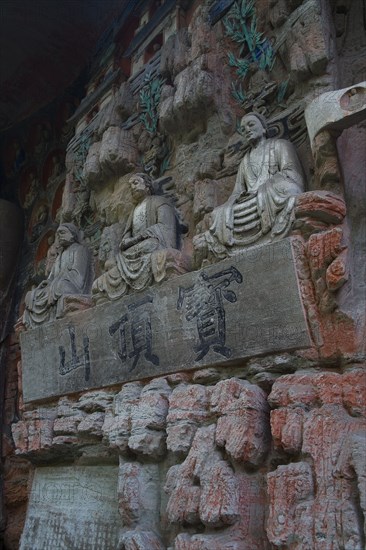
[261, 205]
[70, 278]
[149, 248]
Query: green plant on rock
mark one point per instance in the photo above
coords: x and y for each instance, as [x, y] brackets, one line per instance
[254, 48]
[238, 93]
[149, 102]
[281, 92]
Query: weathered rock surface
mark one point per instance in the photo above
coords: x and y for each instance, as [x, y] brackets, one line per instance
[203, 489]
[117, 425]
[243, 423]
[188, 409]
[148, 420]
[320, 498]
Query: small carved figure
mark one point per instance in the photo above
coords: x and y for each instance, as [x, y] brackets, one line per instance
[261, 205]
[52, 253]
[40, 222]
[57, 169]
[32, 191]
[149, 245]
[70, 275]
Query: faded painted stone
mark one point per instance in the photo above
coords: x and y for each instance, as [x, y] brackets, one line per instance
[323, 498]
[291, 489]
[148, 420]
[203, 489]
[243, 423]
[188, 409]
[72, 507]
[138, 495]
[251, 303]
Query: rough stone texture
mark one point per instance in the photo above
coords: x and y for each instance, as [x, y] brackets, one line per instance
[194, 486]
[307, 45]
[138, 497]
[322, 269]
[317, 423]
[322, 497]
[148, 420]
[194, 93]
[118, 153]
[242, 427]
[117, 424]
[92, 168]
[188, 409]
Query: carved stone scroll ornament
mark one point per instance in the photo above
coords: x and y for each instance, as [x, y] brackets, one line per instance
[68, 285]
[260, 209]
[149, 249]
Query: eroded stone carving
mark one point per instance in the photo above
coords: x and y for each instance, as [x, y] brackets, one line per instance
[69, 280]
[149, 248]
[242, 427]
[261, 205]
[322, 497]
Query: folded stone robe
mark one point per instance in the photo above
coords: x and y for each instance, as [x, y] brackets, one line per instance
[262, 201]
[137, 266]
[71, 274]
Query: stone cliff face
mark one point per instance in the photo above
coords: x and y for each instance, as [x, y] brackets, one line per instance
[240, 449]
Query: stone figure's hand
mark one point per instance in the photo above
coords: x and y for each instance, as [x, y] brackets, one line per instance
[130, 241]
[126, 243]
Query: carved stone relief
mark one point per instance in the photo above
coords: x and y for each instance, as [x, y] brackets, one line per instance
[149, 247]
[260, 208]
[68, 284]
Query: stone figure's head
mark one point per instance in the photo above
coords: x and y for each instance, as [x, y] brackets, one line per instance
[67, 233]
[141, 185]
[254, 127]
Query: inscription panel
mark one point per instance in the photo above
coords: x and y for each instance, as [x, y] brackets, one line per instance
[244, 306]
[72, 507]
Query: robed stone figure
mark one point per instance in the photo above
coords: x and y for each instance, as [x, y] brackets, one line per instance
[260, 207]
[70, 277]
[149, 245]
